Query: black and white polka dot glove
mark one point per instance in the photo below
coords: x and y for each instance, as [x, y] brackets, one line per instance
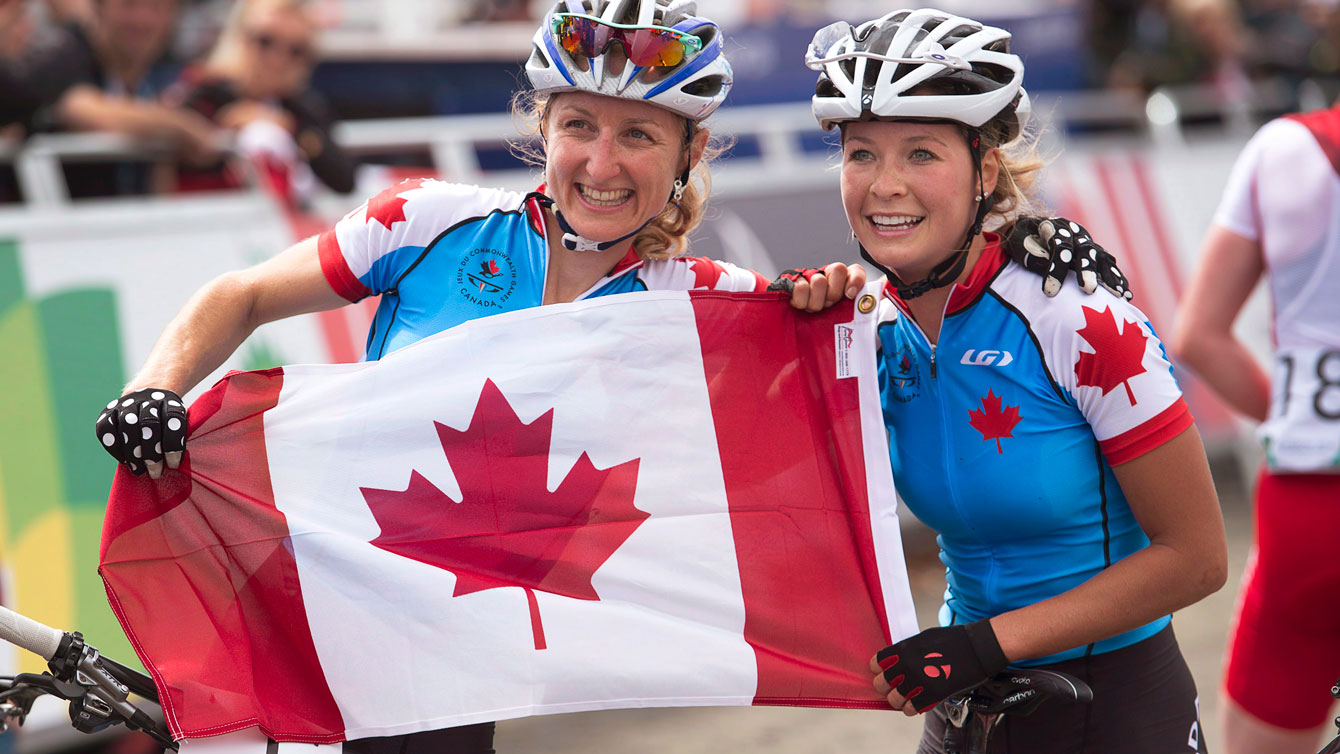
[145, 429]
[1057, 246]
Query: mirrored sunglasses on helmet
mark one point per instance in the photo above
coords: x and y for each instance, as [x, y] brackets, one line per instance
[589, 36]
[822, 49]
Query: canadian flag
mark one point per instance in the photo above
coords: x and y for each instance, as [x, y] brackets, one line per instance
[658, 499]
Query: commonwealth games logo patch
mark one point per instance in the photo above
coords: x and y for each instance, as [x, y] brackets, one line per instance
[486, 277]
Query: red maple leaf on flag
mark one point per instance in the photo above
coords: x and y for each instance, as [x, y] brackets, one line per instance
[388, 207]
[1118, 354]
[993, 422]
[706, 272]
[509, 529]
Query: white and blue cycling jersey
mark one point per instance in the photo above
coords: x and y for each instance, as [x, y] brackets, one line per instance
[441, 254]
[1004, 433]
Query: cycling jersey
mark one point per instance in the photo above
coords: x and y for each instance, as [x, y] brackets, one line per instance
[1003, 435]
[442, 253]
[1284, 193]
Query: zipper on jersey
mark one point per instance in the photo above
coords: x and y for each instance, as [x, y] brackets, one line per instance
[932, 345]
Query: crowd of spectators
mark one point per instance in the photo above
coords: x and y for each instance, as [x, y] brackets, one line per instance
[230, 93]
[110, 66]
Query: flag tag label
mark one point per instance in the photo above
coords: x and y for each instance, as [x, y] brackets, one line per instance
[843, 337]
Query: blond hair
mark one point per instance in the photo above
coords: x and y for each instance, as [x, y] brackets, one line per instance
[666, 236]
[1021, 165]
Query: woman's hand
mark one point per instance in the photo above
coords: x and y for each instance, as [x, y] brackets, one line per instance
[815, 290]
[923, 670]
[238, 114]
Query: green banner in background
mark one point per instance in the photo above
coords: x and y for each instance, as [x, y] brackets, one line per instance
[63, 363]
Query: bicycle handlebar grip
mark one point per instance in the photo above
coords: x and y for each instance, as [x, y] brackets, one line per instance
[29, 634]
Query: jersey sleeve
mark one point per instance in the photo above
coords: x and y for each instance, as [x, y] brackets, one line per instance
[699, 273]
[1108, 357]
[1239, 210]
[371, 248]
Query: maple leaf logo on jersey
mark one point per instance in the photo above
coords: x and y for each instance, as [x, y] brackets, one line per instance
[706, 272]
[1118, 354]
[388, 207]
[508, 529]
[993, 422]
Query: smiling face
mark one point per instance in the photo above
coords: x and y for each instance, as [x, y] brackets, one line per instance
[907, 188]
[610, 163]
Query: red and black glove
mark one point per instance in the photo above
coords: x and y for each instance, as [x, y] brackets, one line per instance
[786, 282]
[938, 663]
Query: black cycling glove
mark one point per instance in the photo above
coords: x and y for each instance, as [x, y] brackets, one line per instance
[786, 282]
[940, 662]
[1057, 246]
[144, 429]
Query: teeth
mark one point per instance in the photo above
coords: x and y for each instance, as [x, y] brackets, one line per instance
[596, 196]
[895, 222]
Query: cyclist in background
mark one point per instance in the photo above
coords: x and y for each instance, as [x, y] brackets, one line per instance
[1280, 215]
[1044, 439]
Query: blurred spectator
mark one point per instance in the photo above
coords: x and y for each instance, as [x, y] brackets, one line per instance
[18, 100]
[1281, 38]
[1169, 42]
[106, 76]
[255, 83]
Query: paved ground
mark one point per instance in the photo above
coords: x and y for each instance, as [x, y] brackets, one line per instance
[1201, 630]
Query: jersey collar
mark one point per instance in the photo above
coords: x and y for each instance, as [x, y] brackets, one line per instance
[979, 277]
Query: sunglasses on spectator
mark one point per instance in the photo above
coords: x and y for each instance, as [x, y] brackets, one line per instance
[267, 42]
[589, 36]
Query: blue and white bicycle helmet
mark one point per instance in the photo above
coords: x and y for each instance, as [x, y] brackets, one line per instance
[694, 88]
[870, 71]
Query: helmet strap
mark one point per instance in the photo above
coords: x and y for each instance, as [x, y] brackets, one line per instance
[574, 241]
[947, 271]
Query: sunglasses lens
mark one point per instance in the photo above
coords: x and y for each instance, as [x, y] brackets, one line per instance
[580, 36]
[648, 47]
[589, 37]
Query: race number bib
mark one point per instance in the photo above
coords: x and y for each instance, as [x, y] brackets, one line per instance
[1303, 431]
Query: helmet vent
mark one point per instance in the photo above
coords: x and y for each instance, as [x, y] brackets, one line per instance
[708, 86]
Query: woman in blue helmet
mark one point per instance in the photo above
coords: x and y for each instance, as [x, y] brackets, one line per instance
[1043, 438]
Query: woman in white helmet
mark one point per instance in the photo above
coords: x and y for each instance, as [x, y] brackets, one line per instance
[624, 86]
[1043, 438]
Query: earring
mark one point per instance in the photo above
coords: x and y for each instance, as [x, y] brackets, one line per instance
[976, 198]
[679, 189]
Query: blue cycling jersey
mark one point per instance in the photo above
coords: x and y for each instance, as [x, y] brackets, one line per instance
[1003, 435]
[441, 254]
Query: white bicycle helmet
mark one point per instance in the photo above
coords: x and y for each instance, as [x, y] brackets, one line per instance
[693, 88]
[868, 72]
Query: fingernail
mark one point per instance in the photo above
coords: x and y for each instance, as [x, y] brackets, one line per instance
[173, 458]
[155, 468]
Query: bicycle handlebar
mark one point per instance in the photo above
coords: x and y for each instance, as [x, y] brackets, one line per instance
[35, 637]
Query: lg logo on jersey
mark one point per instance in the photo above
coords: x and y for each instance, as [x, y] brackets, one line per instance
[986, 358]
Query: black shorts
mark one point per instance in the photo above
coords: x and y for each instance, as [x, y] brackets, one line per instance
[466, 739]
[1144, 702]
